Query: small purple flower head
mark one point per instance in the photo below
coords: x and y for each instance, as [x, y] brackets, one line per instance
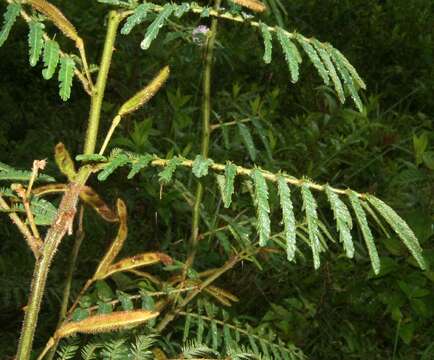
[199, 33]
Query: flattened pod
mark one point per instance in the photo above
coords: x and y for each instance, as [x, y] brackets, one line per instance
[144, 95]
[254, 5]
[117, 243]
[90, 197]
[64, 161]
[106, 322]
[136, 261]
[56, 16]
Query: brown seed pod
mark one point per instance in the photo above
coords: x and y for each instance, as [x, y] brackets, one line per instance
[64, 161]
[136, 261]
[56, 16]
[254, 5]
[90, 197]
[144, 95]
[117, 243]
[106, 322]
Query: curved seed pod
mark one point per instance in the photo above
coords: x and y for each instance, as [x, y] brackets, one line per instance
[144, 95]
[64, 161]
[117, 243]
[49, 189]
[56, 16]
[106, 322]
[90, 197]
[254, 5]
[136, 261]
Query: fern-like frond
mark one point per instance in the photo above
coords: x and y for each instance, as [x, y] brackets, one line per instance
[156, 25]
[50, 58]
[138, 16]
[36, 41]
[292, 55]
[8, 173]
[316, 232]
[200, 166]
[66, 74]
[268, 43]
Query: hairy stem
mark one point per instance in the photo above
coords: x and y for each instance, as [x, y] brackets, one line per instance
[101, 82]
[67, 208]
[206, 131]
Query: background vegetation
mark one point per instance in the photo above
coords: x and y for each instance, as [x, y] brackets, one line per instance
[342, 311]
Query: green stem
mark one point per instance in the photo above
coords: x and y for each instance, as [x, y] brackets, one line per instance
[206, 131]
[99, 89]
[66, 213]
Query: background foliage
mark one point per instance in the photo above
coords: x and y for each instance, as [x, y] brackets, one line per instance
[341, 311]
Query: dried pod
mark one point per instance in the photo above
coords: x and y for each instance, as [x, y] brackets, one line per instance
[64, 161]
[144, 95]
[106, 322]
[254, 5]
[136, 261]
[90, 197]
[56, 16]
[117, 243]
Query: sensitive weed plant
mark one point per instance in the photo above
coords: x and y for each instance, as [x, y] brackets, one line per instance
[177, 310]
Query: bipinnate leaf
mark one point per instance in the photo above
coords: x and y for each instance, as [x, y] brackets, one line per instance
[400, 227]
[343, 219]
[268, 42]
[56, 16]
[136, 261]
[288, 217]
[9, 17]
[64, 161]
[292, 55]
[310, 207]
[106, 322]
[136, 18]
[144, 95]
[366, 231]
[117, 243]
[262, 206]
[156, 25]
[66, 74]
[91, 198]
[50, 58]
[36, 41]
[201, 165]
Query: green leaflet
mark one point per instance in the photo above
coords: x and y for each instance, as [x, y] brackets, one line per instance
[400, 227]
[268, 42]
[310, 207]
[366, 231]
[350, 68]
[181, 9]
[262, 206]
[36, 41]
[44, 211]
[66, 74]
[139, 15]
[247, 139]
[142, 162]
[90, 157]
[314, 58]
[288, 217]
[156, 25]
[292, 55]
[116, 162]
[228, 189]
[325, 56]
[165, 176]
[186, 328]
[348, 81]
[9, 18]
[201, 165]
[50, 58]
[8, 173]
[343, 219]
